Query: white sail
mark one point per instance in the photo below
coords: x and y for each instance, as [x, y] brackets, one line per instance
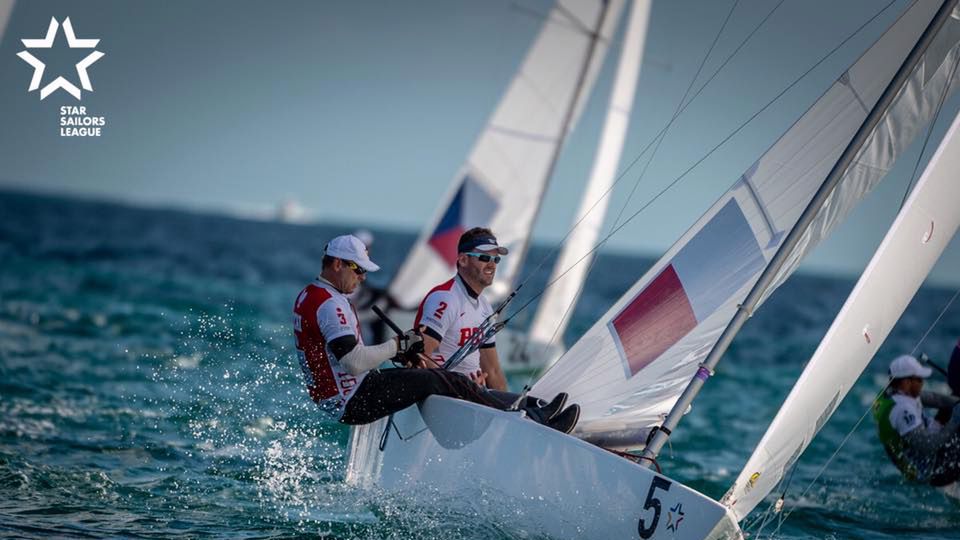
[629, 368]
[502, 182]
[6, 10]
[921, 232]
[555, 308]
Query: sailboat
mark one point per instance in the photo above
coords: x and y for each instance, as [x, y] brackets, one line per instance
[638, 369]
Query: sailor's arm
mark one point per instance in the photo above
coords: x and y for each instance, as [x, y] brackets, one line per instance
[340, 332]
[927, 442]
[357, 358]
[937, 400]
[430, 344]
[490, 365]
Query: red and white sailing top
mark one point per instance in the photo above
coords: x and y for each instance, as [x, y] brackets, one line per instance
[321, 315]
[451, 313]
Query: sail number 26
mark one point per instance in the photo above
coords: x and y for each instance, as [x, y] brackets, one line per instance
[652, 502]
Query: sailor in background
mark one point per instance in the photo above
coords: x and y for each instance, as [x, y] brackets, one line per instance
[923, 448]
[452, 312]
[341, 372]
[366, 296]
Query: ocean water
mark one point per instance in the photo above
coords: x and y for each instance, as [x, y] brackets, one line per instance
[148, 389]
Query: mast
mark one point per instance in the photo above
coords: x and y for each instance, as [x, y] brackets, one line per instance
[796, 233]
[553, 312]
[569, 116]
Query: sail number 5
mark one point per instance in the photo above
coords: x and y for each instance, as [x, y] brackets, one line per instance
[653, 502]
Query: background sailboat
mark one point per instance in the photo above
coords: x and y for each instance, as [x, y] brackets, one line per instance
[502, 182]
[542, 343]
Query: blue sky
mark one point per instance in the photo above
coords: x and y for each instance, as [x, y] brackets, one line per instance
[363, 111]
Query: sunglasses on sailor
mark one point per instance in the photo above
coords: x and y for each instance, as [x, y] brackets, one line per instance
[355, 267]
[484, 257]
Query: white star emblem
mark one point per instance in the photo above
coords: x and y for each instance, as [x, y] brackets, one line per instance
[46, 43]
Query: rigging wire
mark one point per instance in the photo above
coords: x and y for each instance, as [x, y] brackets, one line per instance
[695, 165]
[573, 301]
[659, 140]
[626, 170]
[772, 510]
[867, 412]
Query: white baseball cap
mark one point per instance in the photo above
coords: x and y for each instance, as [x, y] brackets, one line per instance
[908, 366]
[350, 248]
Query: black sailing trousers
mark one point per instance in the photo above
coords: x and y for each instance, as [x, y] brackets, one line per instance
[391, 390]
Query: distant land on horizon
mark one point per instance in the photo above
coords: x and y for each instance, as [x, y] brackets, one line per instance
[805, 268]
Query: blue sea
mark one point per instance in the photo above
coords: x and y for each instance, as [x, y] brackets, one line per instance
[148, 389]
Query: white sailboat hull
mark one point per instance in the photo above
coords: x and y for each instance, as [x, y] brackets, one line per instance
[537, 480]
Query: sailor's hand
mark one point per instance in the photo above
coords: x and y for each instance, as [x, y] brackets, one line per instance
[479, 377]
[410, 349]
[410, 343]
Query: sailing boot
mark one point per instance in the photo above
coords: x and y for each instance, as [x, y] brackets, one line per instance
[566, 420]
[550, 410]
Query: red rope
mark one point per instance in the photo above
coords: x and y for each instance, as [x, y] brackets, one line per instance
[635, 458]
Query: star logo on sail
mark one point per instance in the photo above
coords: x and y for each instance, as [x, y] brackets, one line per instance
[60, 82]
[674, 517]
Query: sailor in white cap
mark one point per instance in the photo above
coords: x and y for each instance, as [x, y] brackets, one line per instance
[918, 445]
[341, 372]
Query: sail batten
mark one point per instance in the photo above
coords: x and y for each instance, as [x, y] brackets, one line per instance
[770, 197]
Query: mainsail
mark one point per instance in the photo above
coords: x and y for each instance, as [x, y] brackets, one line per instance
[502, 182]
[570, 270]
[628, 370]
[922, 230]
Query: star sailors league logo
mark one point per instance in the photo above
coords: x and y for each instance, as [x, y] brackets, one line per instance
[46, 43]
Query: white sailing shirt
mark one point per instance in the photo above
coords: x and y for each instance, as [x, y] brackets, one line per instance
[321, 314]
[452, 313]
[907, 415]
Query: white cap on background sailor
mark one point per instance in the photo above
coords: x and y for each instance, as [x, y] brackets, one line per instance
[907, 366]
[365, 236]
